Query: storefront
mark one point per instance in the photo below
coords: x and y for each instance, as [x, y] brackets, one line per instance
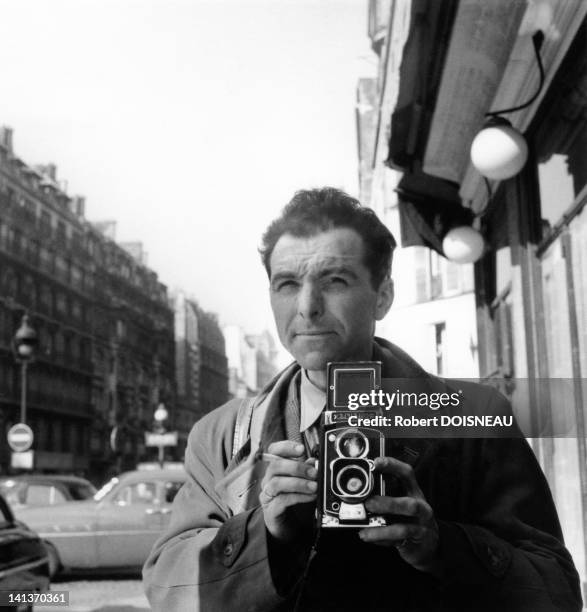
[456, 66]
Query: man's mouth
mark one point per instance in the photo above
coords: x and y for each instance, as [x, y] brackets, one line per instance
[315, 333]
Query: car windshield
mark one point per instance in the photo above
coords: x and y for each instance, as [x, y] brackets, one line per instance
[5, 518]
[12, 491]
[81, 491]
[106, 489]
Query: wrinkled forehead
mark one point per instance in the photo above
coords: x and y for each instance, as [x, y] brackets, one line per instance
[339, 247]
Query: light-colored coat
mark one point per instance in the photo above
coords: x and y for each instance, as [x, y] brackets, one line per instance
[500, 541]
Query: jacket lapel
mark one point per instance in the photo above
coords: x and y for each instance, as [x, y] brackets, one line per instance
[241, 485]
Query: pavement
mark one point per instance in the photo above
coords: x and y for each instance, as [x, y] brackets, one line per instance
[100, 595]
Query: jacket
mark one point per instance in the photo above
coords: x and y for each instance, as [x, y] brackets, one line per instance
[500, 541]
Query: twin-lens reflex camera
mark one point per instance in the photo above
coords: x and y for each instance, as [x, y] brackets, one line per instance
[347, 454]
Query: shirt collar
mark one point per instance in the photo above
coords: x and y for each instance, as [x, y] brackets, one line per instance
[312, 400]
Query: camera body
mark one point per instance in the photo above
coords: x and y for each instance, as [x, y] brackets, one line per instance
[347, 453]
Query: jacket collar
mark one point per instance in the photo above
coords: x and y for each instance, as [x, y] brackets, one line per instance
[280, 395]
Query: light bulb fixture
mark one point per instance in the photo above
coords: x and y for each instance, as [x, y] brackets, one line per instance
[25, 341]
[499, 151]
[161, 413]
[463, 244]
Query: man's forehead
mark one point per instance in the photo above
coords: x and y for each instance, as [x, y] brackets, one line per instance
[333, 248]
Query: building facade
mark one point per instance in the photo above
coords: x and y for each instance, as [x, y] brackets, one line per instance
[201, 364]
[105, 353]
[133, 353]
[451, 68]
[252, 360]
[433, 316]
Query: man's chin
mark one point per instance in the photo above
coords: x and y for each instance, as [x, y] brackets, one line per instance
[315, 360]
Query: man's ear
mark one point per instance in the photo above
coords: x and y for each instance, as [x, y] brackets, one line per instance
[385, 297]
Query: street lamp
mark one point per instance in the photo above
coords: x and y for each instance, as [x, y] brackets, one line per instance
[463, 244]
[23, 345]
[160, 416]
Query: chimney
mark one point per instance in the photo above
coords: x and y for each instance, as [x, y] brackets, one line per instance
[79, 205]
[51, 171]
[6, 138]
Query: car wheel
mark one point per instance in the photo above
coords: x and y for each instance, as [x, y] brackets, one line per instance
[54, 561]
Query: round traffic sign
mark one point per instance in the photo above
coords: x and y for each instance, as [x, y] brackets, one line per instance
[20, 437]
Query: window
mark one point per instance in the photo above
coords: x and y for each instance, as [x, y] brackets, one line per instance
[452, 272]
[29, 292]
[171, 490]
[440, 344]
[76, 310]
[59, 343]
[74, 349]
[61, 231]
[61, 303]
[13, 493]
[421, 273]
[81, 491]
[560, 144]
[4, 237]
[10, 283]
[77, 241]
[61, 268]
[46, 299]
[45, 224]
[76, 277]
[43, 495]
[46, 341]
[66, 435]
[33, 252]
[140, 492]
[46, 259]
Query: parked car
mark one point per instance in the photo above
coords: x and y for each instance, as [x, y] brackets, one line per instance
[24, 561]
[115, 529]
[44, 489]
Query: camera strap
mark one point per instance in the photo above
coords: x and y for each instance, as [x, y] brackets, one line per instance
[242, 425]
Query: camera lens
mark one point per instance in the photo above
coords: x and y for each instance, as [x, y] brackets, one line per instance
[352, 443]
[352, 480]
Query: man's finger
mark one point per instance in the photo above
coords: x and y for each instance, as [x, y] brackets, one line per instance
[290, 467]
[413, 507]
[283, 485]
[403, 471]
[286, 448]
[281, 503]
[392, 535]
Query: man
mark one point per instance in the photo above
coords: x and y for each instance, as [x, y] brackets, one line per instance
[474, 527]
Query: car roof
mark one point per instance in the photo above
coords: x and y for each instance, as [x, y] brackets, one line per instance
[152, 474]
[46, 478]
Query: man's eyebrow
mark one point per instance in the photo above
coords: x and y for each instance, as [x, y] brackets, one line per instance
[279, 276]
[342, 270]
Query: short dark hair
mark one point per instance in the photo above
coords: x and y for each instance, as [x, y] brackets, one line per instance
[312, 211]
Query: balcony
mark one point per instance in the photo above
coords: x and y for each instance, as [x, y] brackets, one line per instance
[24, 217]
[45, 231]
[6, 202]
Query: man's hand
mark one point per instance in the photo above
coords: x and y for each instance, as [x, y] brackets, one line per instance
[416, 539]
[288, 481]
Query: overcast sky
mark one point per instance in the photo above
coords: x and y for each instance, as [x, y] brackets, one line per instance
[189, 122]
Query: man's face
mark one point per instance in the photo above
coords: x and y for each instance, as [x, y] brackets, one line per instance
[322, 298]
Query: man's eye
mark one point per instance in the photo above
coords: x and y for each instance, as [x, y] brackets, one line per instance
[338, 281]
[286, 285]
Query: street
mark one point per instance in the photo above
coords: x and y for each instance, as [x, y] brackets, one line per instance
[103, 593]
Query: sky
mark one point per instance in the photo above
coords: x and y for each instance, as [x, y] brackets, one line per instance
[189, 122]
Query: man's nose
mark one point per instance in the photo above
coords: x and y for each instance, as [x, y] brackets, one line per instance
[310, 301]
